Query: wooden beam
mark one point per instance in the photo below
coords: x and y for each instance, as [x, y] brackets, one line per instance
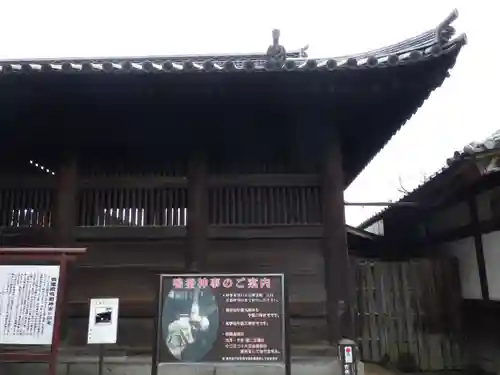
[158, 233]
[114, 233]
[158, 182]
[197, 214]
[478, 243]
[338, 282]
[65, 212]
[265, 231]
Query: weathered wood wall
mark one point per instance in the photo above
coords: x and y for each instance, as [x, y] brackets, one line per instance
[409, 313]
[135, 280]
[133, 221]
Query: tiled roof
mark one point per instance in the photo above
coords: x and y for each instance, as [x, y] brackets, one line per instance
[485, 148]
[427, 45]
[486, 153]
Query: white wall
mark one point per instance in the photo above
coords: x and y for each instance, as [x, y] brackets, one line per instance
[376, 228]
[491, 248]
[465, 251]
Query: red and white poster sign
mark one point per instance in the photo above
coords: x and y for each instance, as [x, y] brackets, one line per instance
[348, 354]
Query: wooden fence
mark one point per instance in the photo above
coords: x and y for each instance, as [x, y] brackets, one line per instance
[408, 313]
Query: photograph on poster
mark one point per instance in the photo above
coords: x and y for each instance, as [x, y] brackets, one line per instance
[190, 323]
[221, 318]
[103, 321]
[103, 315]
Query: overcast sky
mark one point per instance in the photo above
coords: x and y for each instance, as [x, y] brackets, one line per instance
[460, 111]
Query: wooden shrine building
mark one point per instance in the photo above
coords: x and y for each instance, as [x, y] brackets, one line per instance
[209, 163]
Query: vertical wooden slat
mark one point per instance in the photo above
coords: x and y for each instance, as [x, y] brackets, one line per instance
[227, 207]
[263, 200]
[232, 205]
[374, 313]
[24, 207]
[150, 202]
[453, 289]
[366, 344]
[241, 205]
[17, 206]
[246, 204]
[170, 207]
[379, 279]
[252, 206]
[184, 207]
[134, 207]
[303, 204]
[97, 214]
[446, 319]
[217, 206]
[163, 207]
[197, 228]
[147, 195]
[10, 207]
[259, 217]
[114, 206]
[31, 202]
[434, 334]
[284, 206]
[272, 206]
[83, 207]
[44, 199]
[408, 311]
[418, 279]
[127, 207]
[395, 348]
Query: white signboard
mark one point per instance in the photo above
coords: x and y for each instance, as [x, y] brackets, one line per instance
[103, 321]
[28, 296]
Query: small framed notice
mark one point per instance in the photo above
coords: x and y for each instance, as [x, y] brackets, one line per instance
[103, 321]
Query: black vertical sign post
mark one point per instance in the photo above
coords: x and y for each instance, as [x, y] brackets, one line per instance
[214, 319]
[288, 346]
[102, 350]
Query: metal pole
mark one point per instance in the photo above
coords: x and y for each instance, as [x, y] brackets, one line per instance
[383, 204]
[101, 358]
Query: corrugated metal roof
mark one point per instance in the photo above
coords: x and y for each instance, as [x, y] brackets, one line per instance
[429, 44]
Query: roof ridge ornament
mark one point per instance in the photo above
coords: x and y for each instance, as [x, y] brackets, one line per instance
[276, 53]
[444, 31]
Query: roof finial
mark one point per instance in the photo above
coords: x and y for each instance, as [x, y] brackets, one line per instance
[445, 31]
[276, 51]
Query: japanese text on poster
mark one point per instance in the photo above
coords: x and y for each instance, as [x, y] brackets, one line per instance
[222, 318]
[28, 296]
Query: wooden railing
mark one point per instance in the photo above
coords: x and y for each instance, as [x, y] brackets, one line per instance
[162, 201]
[26, 207]
[137, 206]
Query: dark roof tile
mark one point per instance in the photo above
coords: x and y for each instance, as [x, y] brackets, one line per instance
[427, 45]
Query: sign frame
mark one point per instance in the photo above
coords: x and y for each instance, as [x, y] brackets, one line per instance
[61, 256]
[114, 304]
[52, 287]
[285, 339]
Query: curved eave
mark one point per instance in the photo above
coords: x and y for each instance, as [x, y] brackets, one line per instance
[408, 53]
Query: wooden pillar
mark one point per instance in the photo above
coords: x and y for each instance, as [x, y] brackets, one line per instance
[478, 244]
[66, 205]
[338, 280]
[197, 214]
